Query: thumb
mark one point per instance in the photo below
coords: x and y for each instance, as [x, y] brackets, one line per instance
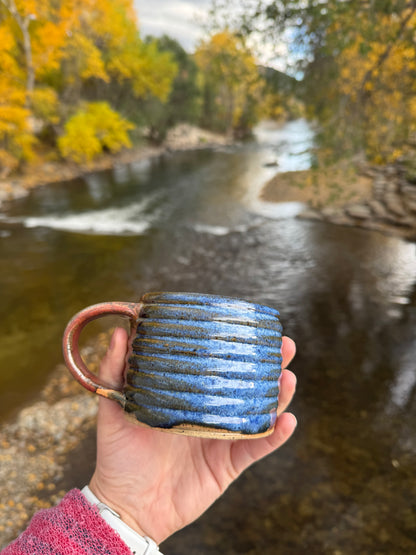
[246, 452]
[111, 373]
[113, 364]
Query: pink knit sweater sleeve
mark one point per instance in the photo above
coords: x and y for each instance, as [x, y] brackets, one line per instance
[73, 527]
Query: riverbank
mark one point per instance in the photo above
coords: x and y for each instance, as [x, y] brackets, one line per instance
[380, 198]
[181, 137]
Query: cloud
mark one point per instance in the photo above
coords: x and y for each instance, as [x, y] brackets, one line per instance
[182, 20]
[178, 19]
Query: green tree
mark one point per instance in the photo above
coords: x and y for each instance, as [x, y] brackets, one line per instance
[183, 103]
[280, 99]
[231, 84]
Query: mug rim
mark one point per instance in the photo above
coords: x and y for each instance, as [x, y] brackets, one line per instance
[182, 298]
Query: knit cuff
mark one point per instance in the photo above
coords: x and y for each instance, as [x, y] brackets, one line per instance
[73, 526]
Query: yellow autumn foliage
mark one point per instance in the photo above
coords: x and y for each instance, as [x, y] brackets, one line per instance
[152, 71]
[15, 133]
[54, 55]
[45, 105]
[8, 64]
[91, 131]
[376, 79]
[84, 59]
[230, 76]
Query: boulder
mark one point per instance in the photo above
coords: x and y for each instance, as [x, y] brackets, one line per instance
[378, 208]
[410, 205]
[359, 211]
[341, 218]
[331, 212]
[408, 190]
[394, 204]
[310, 215]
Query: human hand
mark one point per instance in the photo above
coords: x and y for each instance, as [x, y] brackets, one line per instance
[160, 482]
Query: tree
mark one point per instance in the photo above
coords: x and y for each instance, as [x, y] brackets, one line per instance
[21, 14]
[104, 55]
[231, 83]
[55, 55]
[16, 139]
[183, 102]
[358, 60]
[376, 82]
[280, 95]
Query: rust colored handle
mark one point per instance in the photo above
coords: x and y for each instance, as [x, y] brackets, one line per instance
[70, 344]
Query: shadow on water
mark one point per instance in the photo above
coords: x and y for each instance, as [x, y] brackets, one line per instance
[345, 482]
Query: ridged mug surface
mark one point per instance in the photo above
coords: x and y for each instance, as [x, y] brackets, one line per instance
[204, 362]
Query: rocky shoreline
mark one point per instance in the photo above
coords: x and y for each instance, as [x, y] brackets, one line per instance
[36, 446]
[390, 208]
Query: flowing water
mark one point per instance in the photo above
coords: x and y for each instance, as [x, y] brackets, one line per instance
[190, 221]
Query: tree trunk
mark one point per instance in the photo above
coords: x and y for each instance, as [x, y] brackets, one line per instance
[30, 77]
[23, 23]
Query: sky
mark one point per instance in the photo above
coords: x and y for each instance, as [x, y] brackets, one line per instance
[177, 18]
[182, 20]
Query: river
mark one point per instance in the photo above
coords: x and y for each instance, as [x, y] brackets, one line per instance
[190, 221]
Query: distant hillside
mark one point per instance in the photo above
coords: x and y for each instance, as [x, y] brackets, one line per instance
[277, 81]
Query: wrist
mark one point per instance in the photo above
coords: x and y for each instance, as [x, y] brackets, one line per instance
[143, 511]
[127, 529]
[124, 515]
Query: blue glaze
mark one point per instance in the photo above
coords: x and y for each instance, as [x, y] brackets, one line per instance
[180, 382]
[217, 330]
[237, 402]
[205, 360]
[198, 299]
[205, 348]
[191, 365]
[206, 313]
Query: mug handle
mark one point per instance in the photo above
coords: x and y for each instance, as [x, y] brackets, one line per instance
[70, 344]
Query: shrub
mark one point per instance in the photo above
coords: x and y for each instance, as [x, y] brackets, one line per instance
[93, 129]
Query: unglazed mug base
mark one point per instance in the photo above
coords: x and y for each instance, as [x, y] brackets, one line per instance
[193, 430]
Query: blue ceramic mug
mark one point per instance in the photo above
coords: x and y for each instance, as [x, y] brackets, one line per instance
[202, 365]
